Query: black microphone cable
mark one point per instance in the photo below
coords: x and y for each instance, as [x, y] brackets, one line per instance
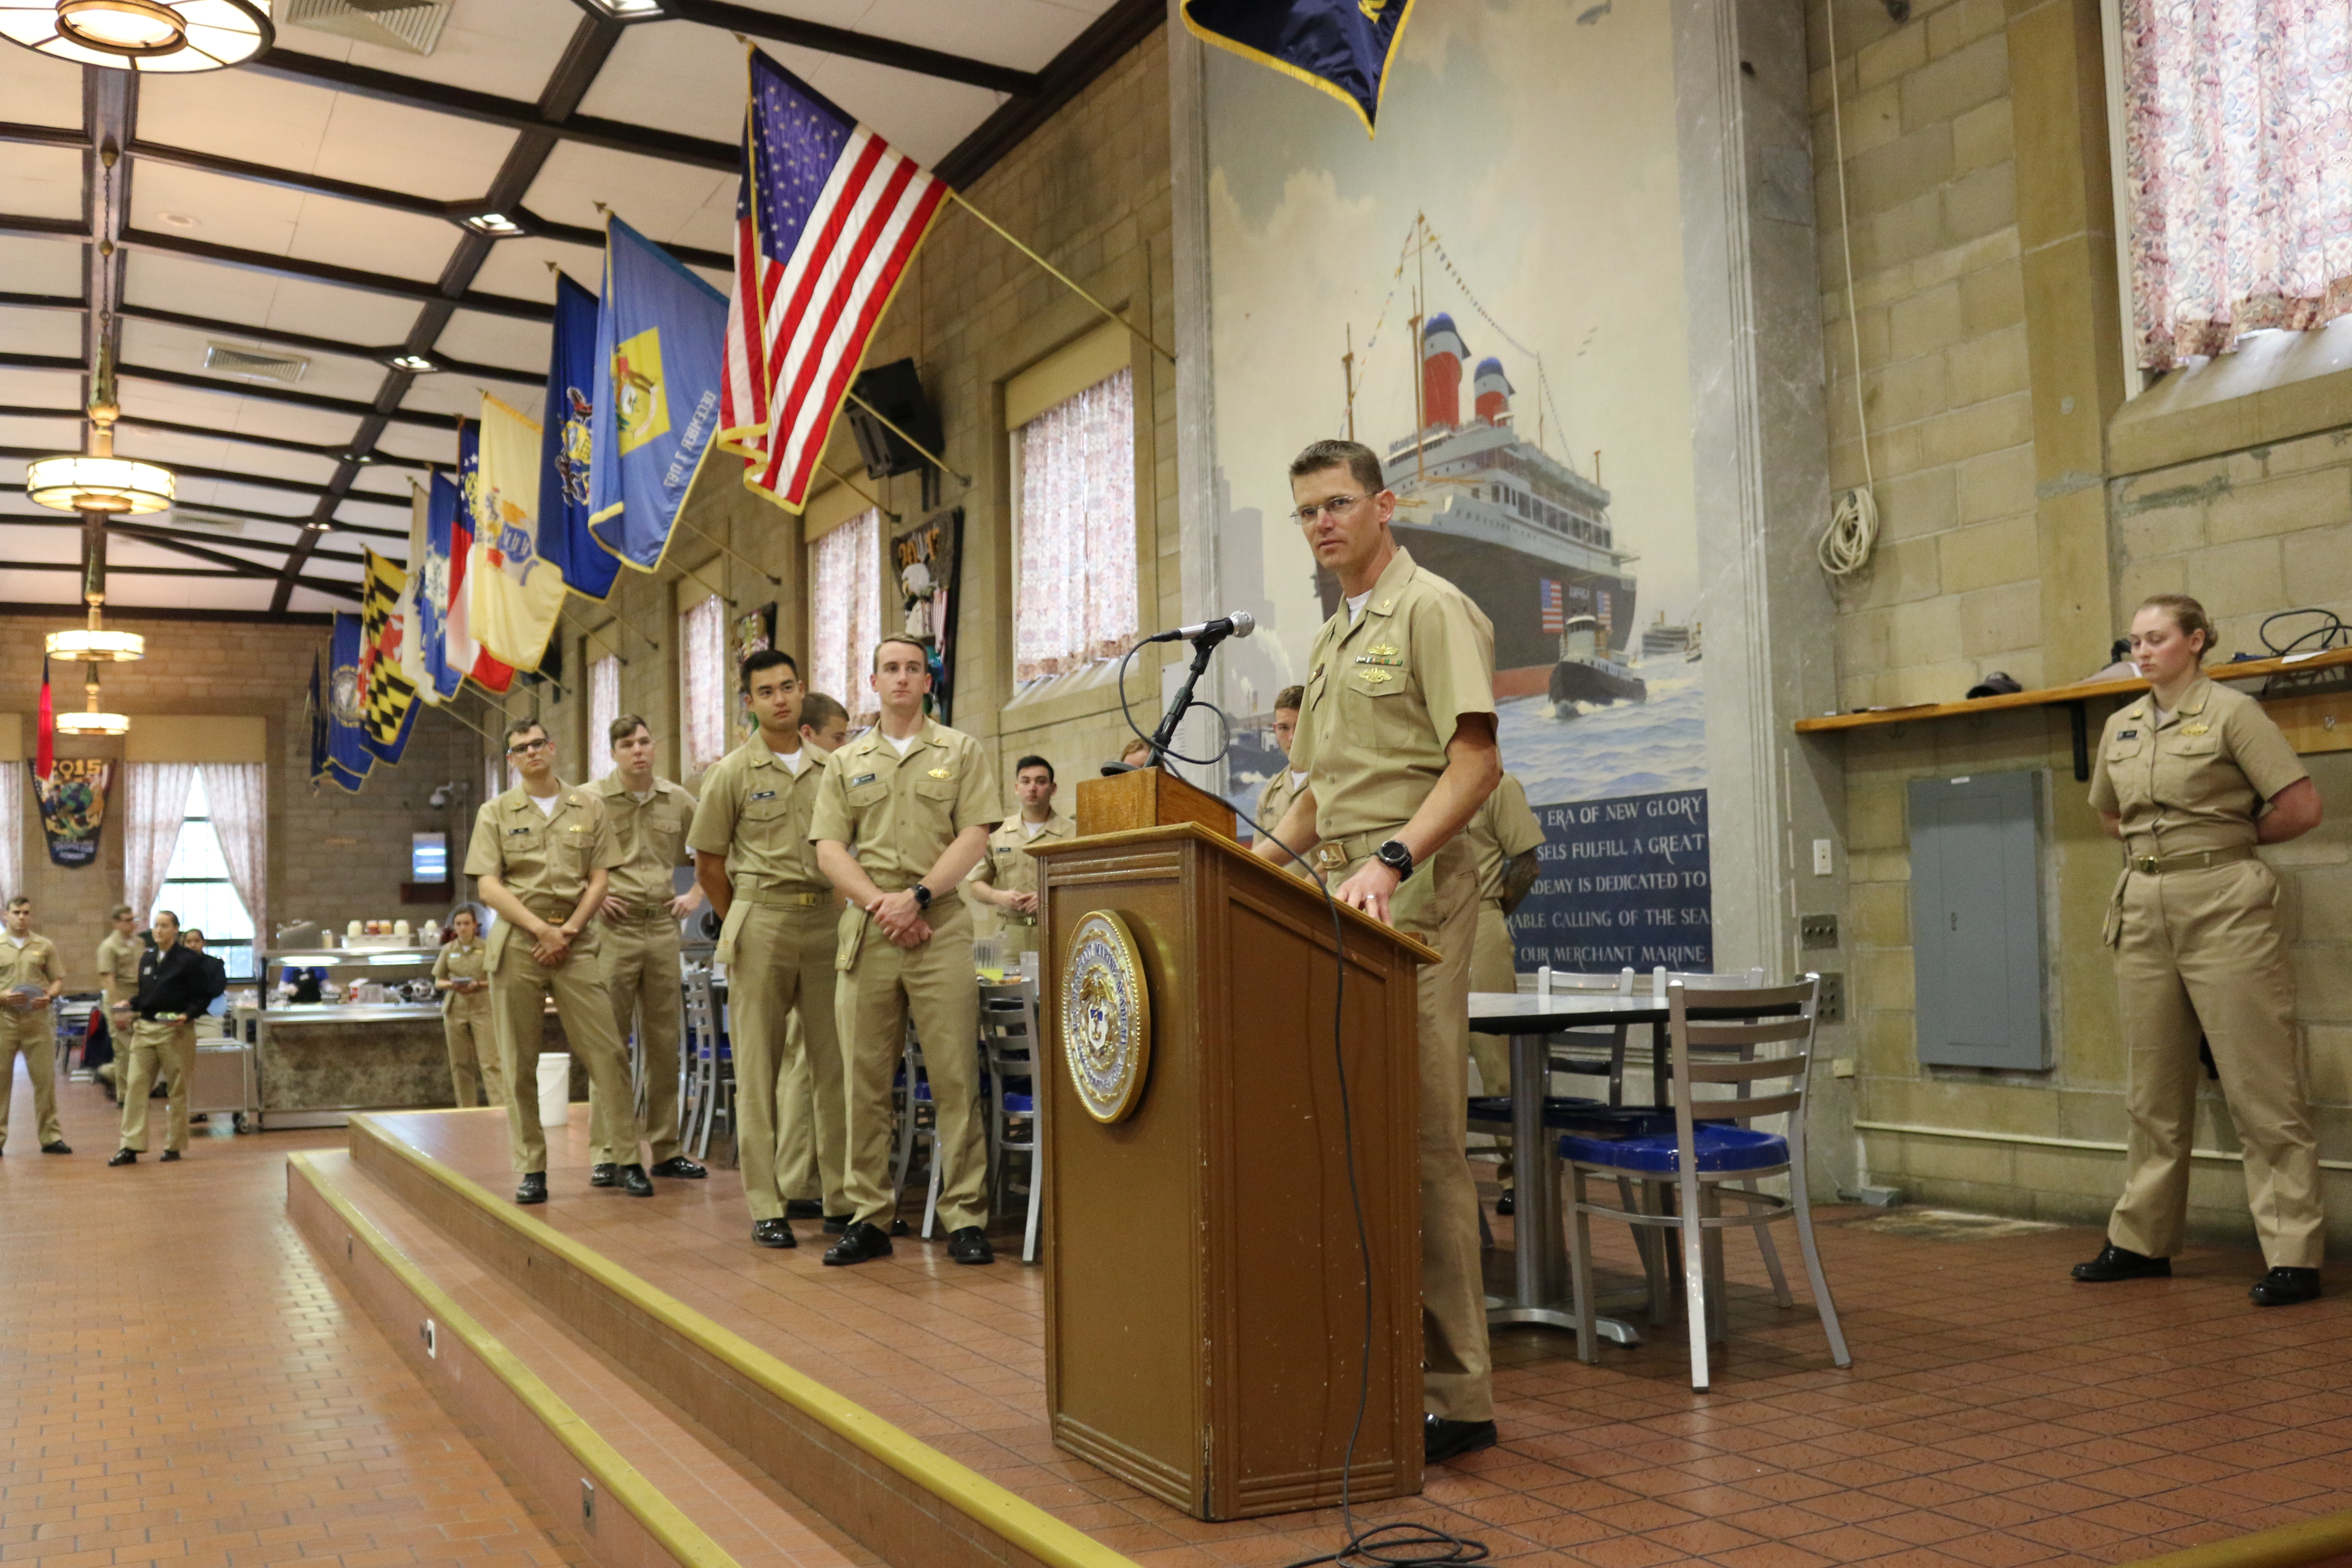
[1402, 1545]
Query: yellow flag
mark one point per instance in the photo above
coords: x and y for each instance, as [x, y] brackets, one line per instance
[515, 592]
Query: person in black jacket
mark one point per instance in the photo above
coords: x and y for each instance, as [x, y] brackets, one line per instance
[176, 983]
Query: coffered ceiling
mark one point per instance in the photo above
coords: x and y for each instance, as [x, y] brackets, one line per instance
[278, 255]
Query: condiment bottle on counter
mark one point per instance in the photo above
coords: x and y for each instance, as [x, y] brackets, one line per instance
[357, 928]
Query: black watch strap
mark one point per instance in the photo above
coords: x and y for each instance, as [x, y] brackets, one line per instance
[1396, 857]
[922, 897]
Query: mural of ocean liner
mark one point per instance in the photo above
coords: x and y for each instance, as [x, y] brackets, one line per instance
[1526, 536]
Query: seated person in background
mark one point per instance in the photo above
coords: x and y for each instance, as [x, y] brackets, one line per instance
[1136, 756]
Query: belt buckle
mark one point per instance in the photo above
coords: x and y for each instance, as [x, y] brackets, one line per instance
[1330, 857]
[2145, 864]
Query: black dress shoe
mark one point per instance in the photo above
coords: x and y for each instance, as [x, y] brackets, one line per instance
[532, 1188]
[1442, 1439]
[603, 1176]
[804, 1208]
[774, 1233]
[125, 1157]
[857, 1244]
[1507, 1204]
[684, 1169]
[635, 1183]
[170, 1155]
[834, 1224]
[2285, 1287]
[970, 1244]
[2121, 1263]
[58, 1146]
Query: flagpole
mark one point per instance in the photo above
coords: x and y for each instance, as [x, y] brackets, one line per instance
[606, 605]
[842, 478]
[729, 550]
[958, 198]
[933, 458]
[717, 589]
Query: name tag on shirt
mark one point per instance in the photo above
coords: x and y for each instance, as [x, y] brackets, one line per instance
[512, 832]
[2127, 735]
[764, 795]
[861, 779]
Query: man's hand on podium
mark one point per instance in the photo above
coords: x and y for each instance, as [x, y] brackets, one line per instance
[1370, 889]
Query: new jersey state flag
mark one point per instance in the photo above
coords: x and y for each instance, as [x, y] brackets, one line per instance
[660, 346]
[515, 592]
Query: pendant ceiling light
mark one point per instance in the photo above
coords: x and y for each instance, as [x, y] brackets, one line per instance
[97, 481]
[90, 720]
[94, 644]
[142, 35]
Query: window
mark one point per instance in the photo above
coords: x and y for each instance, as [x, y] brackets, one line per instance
[604, 707]
[2235, 117]
[196, 888]
[702, 659]
[1075, 477]
[845, 608]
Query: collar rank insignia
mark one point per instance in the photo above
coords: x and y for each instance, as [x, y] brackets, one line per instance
[1377, 677]
[2195, 729]
[1385, 605]
[944, 773]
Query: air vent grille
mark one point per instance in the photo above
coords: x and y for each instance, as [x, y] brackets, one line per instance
[254, 364]
[396, 24]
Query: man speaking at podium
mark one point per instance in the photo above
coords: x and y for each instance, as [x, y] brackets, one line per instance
[1397, 742]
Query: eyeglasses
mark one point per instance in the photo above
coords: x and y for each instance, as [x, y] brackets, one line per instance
[1338, 507]
[525, 748]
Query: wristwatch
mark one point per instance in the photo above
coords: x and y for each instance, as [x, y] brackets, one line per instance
[1396, 857]
[922, 896]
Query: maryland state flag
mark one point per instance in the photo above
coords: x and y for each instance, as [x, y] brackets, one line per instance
[388, 696]
[1342, 46]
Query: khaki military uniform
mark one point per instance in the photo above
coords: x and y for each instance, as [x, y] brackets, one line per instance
[2197, 950]
[32, 1031]
[1504, 829]
[1010, 868]
[638, 960]
[118, 971]
[469, 1027]
[164, 1048]
[777, 942]
[545, 861]
[901, 814]
[1273, 802]
[1383, 698]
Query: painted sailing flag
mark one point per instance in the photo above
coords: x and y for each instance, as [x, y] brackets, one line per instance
[1342, 46]
[514, 594]
[348, 757]
[1548, 602]
[387, 699]
[588, 568]
[826, 218]
[660, 352]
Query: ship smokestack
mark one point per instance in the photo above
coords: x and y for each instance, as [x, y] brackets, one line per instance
[1442, 353]
[1493, 391]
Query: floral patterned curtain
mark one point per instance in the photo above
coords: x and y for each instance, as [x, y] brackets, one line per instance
[238, 797]
[157, 804]
[2238, 155]
[846, 606]
[1077, 583]
[604, 707]
[12, 820]
[702, 660]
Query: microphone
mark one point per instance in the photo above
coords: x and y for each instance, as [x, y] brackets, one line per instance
[1240, 623]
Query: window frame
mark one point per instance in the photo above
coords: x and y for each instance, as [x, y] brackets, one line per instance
[691, 763]
[251, 945]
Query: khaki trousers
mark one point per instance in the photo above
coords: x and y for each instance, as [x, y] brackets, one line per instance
[783, 970]
[169, 1050]
[2201, 952]
[637, 964]
[520, 986]
[1439, 904]
[1493, 966]
[881, 986]
[468, 1027]
[33, 1032]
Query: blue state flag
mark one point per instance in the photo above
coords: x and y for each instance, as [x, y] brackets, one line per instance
[588, 568]
[348, 757]
[661, 337]
[1342, 46]
[433, 595]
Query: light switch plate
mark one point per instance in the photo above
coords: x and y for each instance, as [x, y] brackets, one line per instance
[1824, 865]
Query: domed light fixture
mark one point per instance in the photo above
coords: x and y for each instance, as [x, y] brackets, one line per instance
[94, 644]
[98, 481]
[90, 720]
[142, 35]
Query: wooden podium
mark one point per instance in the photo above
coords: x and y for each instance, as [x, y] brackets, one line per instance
[1205, 1292]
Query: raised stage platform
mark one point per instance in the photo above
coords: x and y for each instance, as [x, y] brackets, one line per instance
[687, 1397]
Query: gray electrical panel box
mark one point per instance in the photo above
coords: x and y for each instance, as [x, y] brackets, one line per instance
[1976, 922]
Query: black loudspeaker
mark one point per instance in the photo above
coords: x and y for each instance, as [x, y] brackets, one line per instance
[896, 393]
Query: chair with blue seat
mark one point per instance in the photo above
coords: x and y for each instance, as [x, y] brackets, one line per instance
[1008, 1043]
[1714, 1035]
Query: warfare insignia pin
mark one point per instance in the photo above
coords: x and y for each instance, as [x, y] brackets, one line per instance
[944, 773]
[2195, 729]
[1382, 650]
[1377, 677]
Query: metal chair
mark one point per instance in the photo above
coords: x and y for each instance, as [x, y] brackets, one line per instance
[1753, 980]
[917, 1123]
[706, 1065]
[1712, 1148]
[1008, 1043]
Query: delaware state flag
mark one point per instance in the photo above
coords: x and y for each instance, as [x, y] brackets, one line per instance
[660, 344]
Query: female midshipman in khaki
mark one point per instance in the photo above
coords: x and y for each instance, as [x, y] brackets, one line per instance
[2192, 777]
[462, 974]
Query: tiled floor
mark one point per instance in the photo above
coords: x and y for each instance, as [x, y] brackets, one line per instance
[181, 1385]
[1997, 1415]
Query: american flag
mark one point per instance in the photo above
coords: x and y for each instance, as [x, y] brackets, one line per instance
[1555, 618]
[826, 217]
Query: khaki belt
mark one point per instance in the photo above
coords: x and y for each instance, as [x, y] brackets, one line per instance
[777, 899]
[2149, 865]
[658, 914]
[1334, 853]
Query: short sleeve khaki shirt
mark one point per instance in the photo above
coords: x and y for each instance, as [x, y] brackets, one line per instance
[1008, 867]
[34, 963]
[755, 811]
[1503, 830]
[648, 837]
[1384, 696]
[2198, 780]
[544, 860]
[1273, 802]
[464, 960]
[901, 812]
[118, 967]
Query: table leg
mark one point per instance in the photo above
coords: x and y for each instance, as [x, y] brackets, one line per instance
[1540, 1247]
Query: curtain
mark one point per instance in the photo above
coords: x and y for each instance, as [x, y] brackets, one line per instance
[604, 707]
[12, 828]
[2238, 163]
[238, 794]
[845, 608]
[702, 659]
[1076, 600]
[157, 797]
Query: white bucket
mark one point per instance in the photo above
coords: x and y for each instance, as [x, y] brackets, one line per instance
[554, 1088]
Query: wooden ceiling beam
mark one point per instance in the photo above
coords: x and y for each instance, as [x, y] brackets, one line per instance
[871, 47]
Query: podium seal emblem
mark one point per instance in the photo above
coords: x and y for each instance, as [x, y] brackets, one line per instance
[1106, 1016]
